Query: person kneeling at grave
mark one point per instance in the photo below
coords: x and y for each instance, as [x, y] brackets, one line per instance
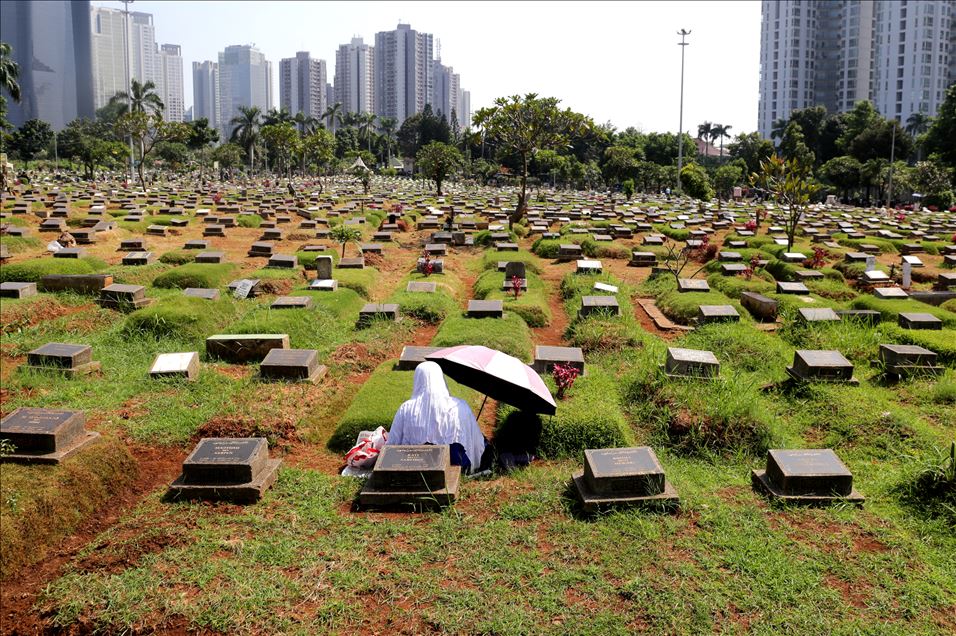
[433, 416]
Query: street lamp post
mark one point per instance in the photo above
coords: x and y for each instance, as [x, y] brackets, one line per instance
[683, 33]
[129, 80]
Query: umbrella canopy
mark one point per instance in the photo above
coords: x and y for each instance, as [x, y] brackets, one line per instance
[497, 375]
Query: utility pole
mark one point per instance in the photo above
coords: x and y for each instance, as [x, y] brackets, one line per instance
[129, 82]
[683, 33]
[889, 186]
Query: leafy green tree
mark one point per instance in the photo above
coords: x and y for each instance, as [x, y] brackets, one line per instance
[148, 131]
[705, 131]
[876, 142]
[333, 115]
[282, 140]
[174, 154]
[200, 136]
[752, 149]
[31, 139]
[619, 163]
[229, 155]
[526, 125]
[485, 170]
[345, 234]
[793, 145]
[696, 183]
[245, 132]
[934, 183]
[346, 141]
[387, 127]
[364, 175]
[319, 149]
[661, 148]
[942, 132]
[367, 128]
[437, 161]
[726, 177]
[9, 76]
[860, 118]
[843, 173]
[277, 116]
[918, 123]
[627, 187]
[92, 144]
[790, 183]
[811, 121]
[778, 127]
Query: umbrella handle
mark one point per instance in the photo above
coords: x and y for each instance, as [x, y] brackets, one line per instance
[482, 407]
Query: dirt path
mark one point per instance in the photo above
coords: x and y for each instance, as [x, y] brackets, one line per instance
[553, 334]
[157, 467]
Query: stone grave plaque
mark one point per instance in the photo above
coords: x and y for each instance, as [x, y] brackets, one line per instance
[292, 364]
[175, 365]
[291, 302]
[123, 297]
[17, 290]
[716, 313]
[357, 262]
[243, 288]
[211, 257]
[73, 359]
[919, 320]
[821, 365]
[818, 314]
[485, 308]
[622, 476]
[283, 261]
[133, 245]
[377, 311]
[569, 252]
[599, 304]
[793, 257]
[139, 258]
[588, 266]
[545, 357]
[323, 267]
[326, 284]
[604, 288]
[252, 347]
[412, 356]
[784, 287]
[417, 286]
[811, 476]
[201, 292]
[70, 252]
[222, 468]
[417, 476]
[692, 285]
[691, 363]
[890, 293]
[44, 436]
[729, 257]
[643, 259]
[903, 360]
[196, 245]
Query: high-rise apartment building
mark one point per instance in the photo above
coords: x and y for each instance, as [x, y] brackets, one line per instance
[245, 79]
[109, 54]
[302, 81]
[171, 75]
[206, 93]
[834, 53]
[51, 43]
[402, 72]
[465, 113]
[447, 96]
[354, 77]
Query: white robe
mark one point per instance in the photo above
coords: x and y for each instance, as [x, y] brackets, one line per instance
[433, 416]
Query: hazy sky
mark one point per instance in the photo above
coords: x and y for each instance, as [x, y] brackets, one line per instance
[614, 61]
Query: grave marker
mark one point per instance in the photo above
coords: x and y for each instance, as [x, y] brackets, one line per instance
[44, 436]
[231, 469]
[622, 477]
[806, 477]
[412, 476]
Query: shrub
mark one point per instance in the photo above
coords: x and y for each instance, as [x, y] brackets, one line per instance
[781, 271]
[546, 248]
[180, 317]
[33, 270]
[942, 342]
[509, 334]
[589, 417]
[249, 220]
[196, 275]
[696, 183]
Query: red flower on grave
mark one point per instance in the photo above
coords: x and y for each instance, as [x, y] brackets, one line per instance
[564, 376]
[516, 286]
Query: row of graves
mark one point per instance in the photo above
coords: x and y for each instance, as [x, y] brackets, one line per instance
[422, 476]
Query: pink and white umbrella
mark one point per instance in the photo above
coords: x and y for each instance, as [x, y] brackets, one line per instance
[497, 375]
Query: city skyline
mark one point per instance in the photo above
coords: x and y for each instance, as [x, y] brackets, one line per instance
[481, 43]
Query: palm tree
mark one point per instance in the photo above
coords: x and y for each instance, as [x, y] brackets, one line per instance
[366, 124]
[350, 120]
[276, 116]
[140, 99]
[918, 123]
[307, 124]
[720, 131]
[333, 115]
[246, 131]
[778, 128]
[705, 130]
[387, 126]
[9, 72]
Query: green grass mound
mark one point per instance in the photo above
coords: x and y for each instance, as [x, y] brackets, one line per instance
[943, 342]
[180, 317]
[590, 416]
[313, 328]
[307, 259]
[531, 304]
[17, 244]
[429, 307]
[342, 303]
[41, 505]
[683, 308]
[509, 334]
[377, 401]
[136, 274]
[734, 286]
[249, 220]
[359, 280]
[208, 275]
[178, 257]
[891, 309]
[32, 271]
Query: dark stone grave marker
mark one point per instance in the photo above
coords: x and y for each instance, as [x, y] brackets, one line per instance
[230, 469]
[806, 477]
[412, 476]
[691, 363]
[821, 366]
[292, 364]
[44, 436]
[622, 477]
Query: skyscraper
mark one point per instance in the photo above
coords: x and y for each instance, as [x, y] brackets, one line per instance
[302, 81]
[834, 53]
[206, 93]
[354, 77]
[402, 72]
[446, 91]
[245, 79]
[51, 43]
[109, 54]
[171, 67]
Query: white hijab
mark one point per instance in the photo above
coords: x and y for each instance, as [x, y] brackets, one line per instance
[433, 416]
